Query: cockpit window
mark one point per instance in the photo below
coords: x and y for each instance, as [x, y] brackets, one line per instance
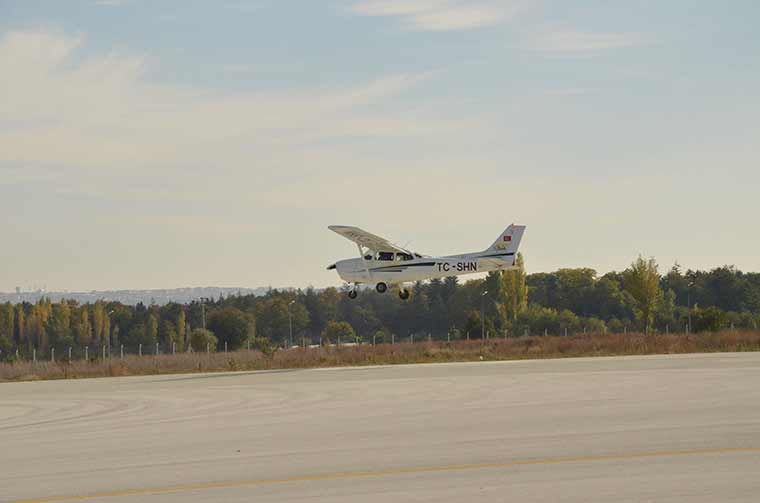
[385, 256]
[368, 257]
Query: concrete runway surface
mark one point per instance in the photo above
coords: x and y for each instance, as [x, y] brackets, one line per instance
[632, 429]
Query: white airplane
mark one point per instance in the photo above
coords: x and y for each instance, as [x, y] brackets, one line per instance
[388, 265]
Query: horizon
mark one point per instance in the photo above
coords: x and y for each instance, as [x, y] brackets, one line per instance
[252, 289]
[147, 145]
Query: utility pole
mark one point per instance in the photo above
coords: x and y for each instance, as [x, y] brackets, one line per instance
[290, 324]
[482, 315]
[688, 301]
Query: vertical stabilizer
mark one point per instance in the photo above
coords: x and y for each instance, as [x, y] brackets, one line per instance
[508, 241]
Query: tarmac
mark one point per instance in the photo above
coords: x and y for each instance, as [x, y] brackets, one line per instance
[668, 428]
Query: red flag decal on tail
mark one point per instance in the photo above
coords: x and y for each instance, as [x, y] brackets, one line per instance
[507, 239]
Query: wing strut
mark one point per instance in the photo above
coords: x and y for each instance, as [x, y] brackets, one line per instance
[364, 261]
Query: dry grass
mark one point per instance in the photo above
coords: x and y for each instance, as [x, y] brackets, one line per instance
[383, 354]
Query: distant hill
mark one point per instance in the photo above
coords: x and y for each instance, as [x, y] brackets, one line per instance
[132, 297]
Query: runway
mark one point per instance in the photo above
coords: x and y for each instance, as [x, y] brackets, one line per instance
[629, 429]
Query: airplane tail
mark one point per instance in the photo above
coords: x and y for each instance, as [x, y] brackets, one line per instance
[508, 241]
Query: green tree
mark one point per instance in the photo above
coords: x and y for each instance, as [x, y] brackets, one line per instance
[495, 301]
[99, 323]
[83, 328]
[59, 325]
[7, 325]
[36, 328]
[200, 339]
[666, 310]
[514, 290]
[21, 336]
[473, 327]
[168, 334]
[338, 331]
[233, 326]
[272, 319]
[151, 329]
[594, 325]
[710, 319]
[181, 330]
[642, 281]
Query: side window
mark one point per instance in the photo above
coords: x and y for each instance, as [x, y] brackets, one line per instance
[385, 256]
[368, 257]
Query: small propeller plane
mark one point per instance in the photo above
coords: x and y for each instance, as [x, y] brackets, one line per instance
[387, 265]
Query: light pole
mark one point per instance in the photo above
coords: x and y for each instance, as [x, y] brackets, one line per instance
[482, 315]
[108, 335]
[688, 302]
[290, 324]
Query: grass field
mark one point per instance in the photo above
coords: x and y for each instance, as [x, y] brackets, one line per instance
[384, 354]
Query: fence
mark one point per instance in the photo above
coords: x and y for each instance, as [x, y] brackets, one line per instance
[106, 352]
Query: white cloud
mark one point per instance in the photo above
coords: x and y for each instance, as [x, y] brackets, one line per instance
[579, 43]
[100, 111]
[438, 15]
[110, 3]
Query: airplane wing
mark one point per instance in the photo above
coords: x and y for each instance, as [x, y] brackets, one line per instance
[366, 239]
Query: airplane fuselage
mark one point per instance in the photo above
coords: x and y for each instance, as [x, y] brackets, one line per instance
[398, 270]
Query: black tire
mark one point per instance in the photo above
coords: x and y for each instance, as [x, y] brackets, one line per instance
[403, 294]
[352, 294]
[381, 287]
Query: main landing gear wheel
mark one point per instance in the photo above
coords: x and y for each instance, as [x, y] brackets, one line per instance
[403, 294]
[381, 287]
[352, 294]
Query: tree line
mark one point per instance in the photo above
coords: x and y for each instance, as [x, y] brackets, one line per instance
[503, 304]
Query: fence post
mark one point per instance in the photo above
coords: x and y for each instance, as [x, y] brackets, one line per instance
[121, 351]
[69, 353]
[208, 348]
[104, 353]
[667, 328]
[411, 338]
[16, 354]
[52, 354]
[34, 355]
[87, 353]
[174, 348]
[393, 338]
[225, 346]
[139, 349]
[156, 349]
[373, 339]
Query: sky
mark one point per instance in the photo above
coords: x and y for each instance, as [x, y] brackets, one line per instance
[210, 143]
